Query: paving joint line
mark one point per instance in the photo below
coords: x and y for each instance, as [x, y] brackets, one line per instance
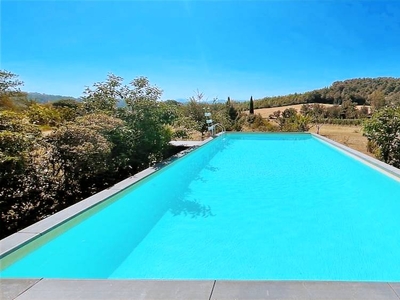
[212, 289]
[28, 288]
[398, 296]
[303, 284]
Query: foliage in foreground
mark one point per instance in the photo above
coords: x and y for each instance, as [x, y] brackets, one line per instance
[53, 155]
[383, 133]
[89, 146]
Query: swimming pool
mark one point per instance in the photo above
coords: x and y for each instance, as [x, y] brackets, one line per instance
[243, 206]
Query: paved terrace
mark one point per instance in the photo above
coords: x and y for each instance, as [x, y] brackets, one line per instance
[23, 289]
[43, 289]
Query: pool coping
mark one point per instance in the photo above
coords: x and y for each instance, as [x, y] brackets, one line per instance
[369, 159]
[178, 289]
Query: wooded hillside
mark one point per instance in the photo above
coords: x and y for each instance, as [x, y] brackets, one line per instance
[44, 98]
[363, 91]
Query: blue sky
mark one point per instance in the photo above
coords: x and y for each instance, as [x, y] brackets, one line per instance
[221, 48]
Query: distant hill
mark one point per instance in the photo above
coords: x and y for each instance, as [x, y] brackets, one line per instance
[360, 91]
[44, 98]
[184, 100]
[181, 100]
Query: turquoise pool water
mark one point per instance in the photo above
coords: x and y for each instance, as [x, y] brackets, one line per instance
[244, 206]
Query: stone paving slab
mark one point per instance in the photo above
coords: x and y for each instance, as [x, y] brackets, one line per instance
[118, 289]
[257, 290]
[24, 289]
[302, 290]
[396, 288]
[12, 288]
[36, 289]
[350, 290]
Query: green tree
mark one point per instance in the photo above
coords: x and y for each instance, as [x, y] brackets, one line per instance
[27, 185]
[251, 108]
[42, 114]
[333, 112]
[79, 154]
[232, 116]
[9, 82]
[306, 110]
[291, 121]
[10, 93]
[314, 113]
[105, 96]
[383, 131]
[348, 110]
[194, 113]
[17, 138]
[69, 109]
[146, 118]
[377, 100]
[257, 123]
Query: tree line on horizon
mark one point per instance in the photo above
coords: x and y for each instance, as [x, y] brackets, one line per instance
[55, 154]
[374, 92]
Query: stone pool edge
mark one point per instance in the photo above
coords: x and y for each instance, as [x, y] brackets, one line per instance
[373, 161]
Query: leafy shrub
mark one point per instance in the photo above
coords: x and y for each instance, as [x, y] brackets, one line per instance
[383, 132]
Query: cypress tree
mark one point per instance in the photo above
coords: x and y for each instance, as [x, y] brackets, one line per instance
[251, 106]
[231, 111]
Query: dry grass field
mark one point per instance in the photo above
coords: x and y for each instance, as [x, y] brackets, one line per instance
[266, 112]
[350, 136]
